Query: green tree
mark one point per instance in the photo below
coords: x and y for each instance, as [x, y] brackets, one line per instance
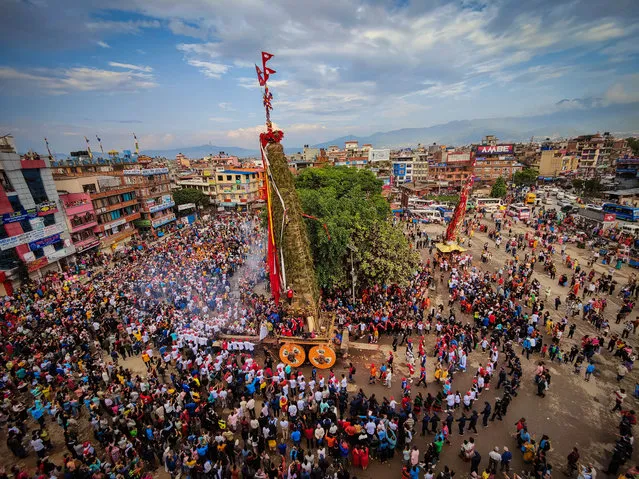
[190, 195]
[592, 187]
[499, 189]
[348, 203]
[526, 177]
[382, 255]
[634, 144]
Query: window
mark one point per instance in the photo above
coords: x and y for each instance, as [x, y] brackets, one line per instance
[220, 178]
[9, 258]
[26, 226]
[36, 187]
[6, 182]
[237, 177]
[115, 214]
[228, 177]
[90, 188]
[49, 220]
[3, 232]
[15, 202]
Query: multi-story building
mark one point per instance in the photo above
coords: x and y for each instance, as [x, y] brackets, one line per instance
[627, 167]
[402, 166]
[588, 149]
[493, 161]
[451, 175]
[33, 232]
[239, 188]
[554, 162]
[228, 187]
[81, 220]
[420, 167]
[115, 204]
[153, 188]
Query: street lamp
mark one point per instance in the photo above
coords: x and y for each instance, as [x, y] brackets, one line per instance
[352, 248]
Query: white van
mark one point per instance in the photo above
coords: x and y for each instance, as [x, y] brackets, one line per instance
[433, 215]
[630, 229]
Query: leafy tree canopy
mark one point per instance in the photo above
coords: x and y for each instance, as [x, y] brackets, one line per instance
[499, 189]
[527, 177]
[190, 195]
[634, 144]
[349, 202]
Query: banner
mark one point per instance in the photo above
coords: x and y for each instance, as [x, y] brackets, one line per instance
[34, 235]
[494, 149]
[37, 264]
[44, 242]
[147, 172]
[18, 216]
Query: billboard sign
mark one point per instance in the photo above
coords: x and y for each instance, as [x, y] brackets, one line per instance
[41, 243]
[458, 157]
[378, 155]
[34, 235]
[494, 149]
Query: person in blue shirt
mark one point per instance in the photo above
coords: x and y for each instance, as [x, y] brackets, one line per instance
[296, 437]
[506, 457]
[589, 370]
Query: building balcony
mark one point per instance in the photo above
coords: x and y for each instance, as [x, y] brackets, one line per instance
[86, 244]
[117, 206]
[82, 226]
[119, 222]
[114, 191]
[77, 209]
[157, 207]
[114, 238]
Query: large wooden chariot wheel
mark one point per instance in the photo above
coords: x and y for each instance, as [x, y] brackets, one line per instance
[293, 354]
[322, 356]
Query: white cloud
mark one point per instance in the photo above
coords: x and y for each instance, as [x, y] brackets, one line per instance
[220, 119]
[210, 69]
[128, 27]
[626, 91]
[79, 79]
[129, 66]
[103, 44]
[178, 27]
[226, 106]
[203, 49]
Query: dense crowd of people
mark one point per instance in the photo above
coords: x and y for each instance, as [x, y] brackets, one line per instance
[203, 406]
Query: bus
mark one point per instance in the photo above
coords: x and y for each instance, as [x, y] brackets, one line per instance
[626, 213]
[519, 211]
[419, 203]
[446, 212]
[488, 204]
[530, 198]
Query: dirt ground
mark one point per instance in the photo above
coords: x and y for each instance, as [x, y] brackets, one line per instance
[573, 413]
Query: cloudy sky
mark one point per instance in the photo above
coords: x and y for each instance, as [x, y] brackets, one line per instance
[180, 73]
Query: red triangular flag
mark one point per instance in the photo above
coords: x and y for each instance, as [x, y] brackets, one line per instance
[260, 77]
[266, 57]
[269, 71]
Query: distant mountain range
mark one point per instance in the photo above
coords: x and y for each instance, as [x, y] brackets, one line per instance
[201, 151]
[572, 118]
[620, 119]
